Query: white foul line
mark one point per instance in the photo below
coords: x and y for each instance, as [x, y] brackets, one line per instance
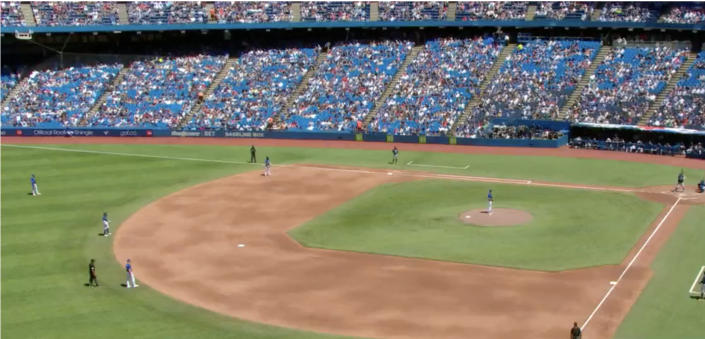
[626, 269]
[697, 279]
[437, 166]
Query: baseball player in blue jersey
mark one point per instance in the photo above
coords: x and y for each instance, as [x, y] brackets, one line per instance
[130, 276]
[35, 189]
[267, 166]
[106, 225]
[489, 202]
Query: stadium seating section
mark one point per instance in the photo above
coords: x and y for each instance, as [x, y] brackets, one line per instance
[436, 86]
[7, 82]
[491, 10]
[166, 12]
[685, 105]
[157, 93]
[251, 11]
[564, 10]
[335, 11]
[80, 13]
[534, 83]
[628, 12]
[413, 11]
[58, 98]
[254, 90]
[11, 14]
[345, 87]
[626, 84]
[686, 14]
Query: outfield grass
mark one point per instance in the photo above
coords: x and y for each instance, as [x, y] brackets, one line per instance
[48, 241]
[664, 310]
[419, 219]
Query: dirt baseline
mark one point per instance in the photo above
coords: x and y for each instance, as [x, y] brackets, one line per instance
[498, 217]
[185, 245]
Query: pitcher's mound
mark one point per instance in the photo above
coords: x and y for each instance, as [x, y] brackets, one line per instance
[499, 217]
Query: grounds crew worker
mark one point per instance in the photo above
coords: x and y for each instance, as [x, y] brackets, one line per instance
[575, 332]
[253, 154]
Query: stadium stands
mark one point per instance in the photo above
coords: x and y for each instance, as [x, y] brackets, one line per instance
[534, 82]
[685, 105]
[157, 93]
[7, 82]
[345, 87]
[625, 84]
[254, 90]
[694, 14]
[11, 14]
[58, 98]
[413, 11]
[437, 85]
[629, 12]
[564, 10]
[491, 10]
[80, 13]
[335, 11]
[251, 11]
[166, 12]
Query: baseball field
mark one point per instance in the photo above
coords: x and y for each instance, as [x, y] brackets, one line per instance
[339, 243]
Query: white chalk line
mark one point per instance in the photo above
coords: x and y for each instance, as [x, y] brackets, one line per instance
[411, 163]
[697, 280]
[626, 269]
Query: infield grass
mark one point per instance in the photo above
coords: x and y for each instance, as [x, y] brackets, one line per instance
[664, 310]
[570, 229]
[48, 241]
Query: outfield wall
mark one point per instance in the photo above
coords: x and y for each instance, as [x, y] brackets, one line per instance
[380, 137]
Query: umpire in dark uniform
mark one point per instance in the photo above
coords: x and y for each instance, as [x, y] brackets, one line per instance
[92, 277]
[253, 154]
[575, 332]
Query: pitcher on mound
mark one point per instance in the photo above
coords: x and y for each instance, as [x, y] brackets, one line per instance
[489, 202]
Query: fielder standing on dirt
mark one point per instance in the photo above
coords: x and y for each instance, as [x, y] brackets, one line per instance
[575, 332]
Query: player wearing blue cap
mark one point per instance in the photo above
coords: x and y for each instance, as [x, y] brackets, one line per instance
[489, 202]
[130, 276]
[35, 189]
[267, 167]
[106, 225]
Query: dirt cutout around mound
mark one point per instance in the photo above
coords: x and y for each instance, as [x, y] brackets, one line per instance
[498, 217]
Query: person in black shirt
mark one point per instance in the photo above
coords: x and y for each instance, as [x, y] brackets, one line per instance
[91, 272]
[575, 332]
[253, 154]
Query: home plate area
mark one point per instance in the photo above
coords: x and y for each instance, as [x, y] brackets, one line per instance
[498, 217]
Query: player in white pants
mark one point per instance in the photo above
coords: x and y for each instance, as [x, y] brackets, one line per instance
[35, 189]
[130, 275]
[489, 202]
[267, 167]
[106, 225]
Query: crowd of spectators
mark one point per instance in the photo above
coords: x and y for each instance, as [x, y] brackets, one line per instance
[685, 105]
[685, 15]
[78, 13]
[413, 11]
[58, 98]
[251, 11]
[166, 12]
[8, 80]
[436, 86]
[622, 145]
[11, 14]
[526, 132]
[335, 11]
[534, 82]
[564, 10]
[158, 92]
[625, 84]
[491, 10]
[254, 90]
[628, 12]
[345, 87]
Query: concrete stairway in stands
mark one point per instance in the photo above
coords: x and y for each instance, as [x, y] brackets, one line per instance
[501, 59]
[14, 91]
[209, 9]
[596, 14]
[122, 13]
[452, 8]
[218, 79]
[390, 87]
[584, 81]
[530, 12]
[374, 11]
[669, 87]
[104, 97]
[303, 85]
[28, 14]
[296, 12]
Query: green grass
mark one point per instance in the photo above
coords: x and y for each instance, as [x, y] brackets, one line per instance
[419, 219]
[47, 241]
[664, 310]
